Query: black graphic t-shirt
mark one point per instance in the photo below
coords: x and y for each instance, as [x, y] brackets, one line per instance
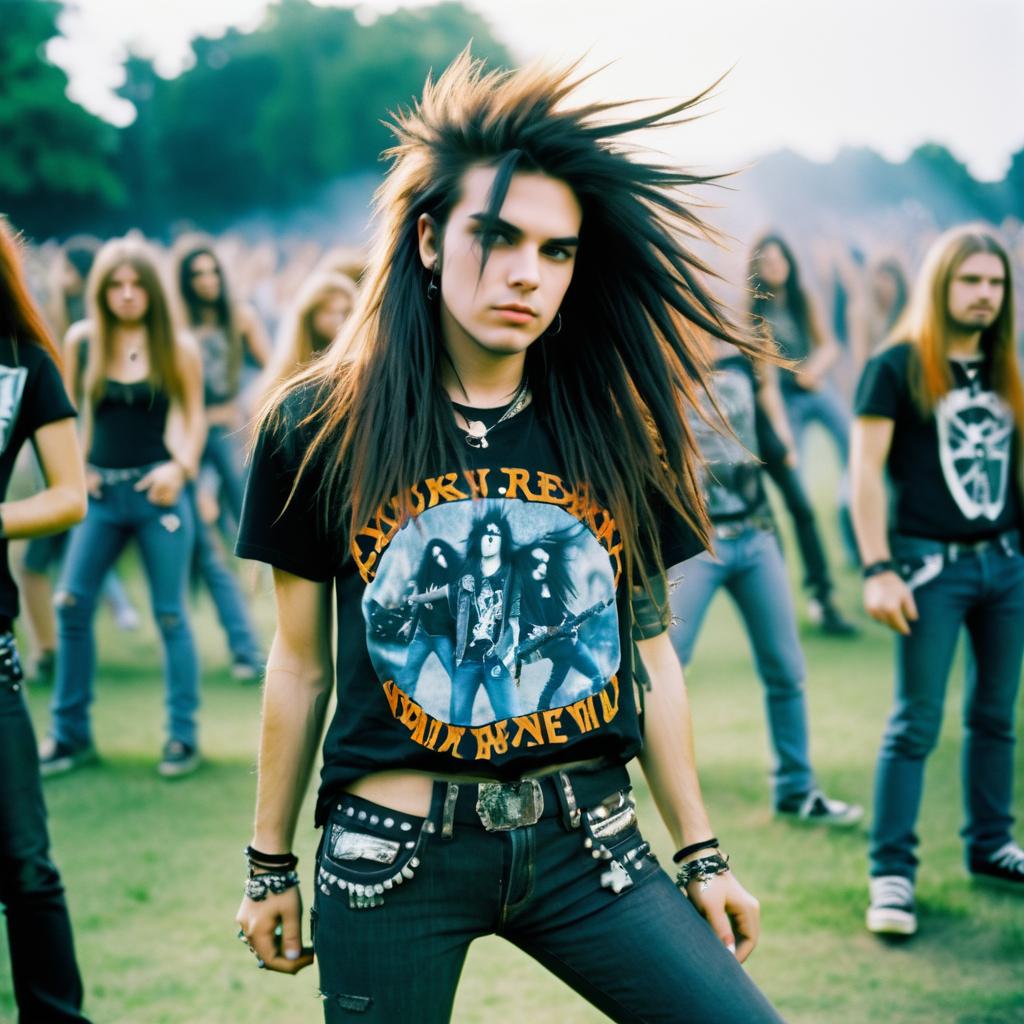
[31, 395]
[487, 636]
[953, 473]
[732, 472]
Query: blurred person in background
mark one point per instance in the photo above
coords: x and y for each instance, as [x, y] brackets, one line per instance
[144, 432]
[43, 555]
[881, 304]
[517, 241]
[311, 324]
[747, 562]
[940, 411]
[227, 333]
[47, 985]
[782, 306]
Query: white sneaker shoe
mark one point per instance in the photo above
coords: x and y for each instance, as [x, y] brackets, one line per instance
[892, 906]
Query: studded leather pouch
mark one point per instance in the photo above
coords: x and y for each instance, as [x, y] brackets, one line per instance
[612, 837]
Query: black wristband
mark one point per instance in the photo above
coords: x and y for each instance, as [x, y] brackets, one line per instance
[877, 568]
[270, 860]
[707, 844]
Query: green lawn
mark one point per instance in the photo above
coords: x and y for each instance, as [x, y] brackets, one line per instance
[154, 869]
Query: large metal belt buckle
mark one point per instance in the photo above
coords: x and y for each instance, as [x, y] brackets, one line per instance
[502, 806]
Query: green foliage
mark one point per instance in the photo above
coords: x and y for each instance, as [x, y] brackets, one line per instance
[263, 119]
[56, 161]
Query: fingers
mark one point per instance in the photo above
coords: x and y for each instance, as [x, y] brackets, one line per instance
[910, 606]
[746, 922]
[275, 938]
[712, 905]
[145, 482]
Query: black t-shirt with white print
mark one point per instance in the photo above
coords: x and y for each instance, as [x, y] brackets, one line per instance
[953, 474]
[445, 638]
[31, 396]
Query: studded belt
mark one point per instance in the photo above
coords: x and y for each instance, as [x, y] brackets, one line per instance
[503, 806]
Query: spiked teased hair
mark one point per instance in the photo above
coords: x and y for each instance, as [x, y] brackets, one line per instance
[615, 383]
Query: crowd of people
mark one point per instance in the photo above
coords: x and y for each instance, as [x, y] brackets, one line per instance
[528, 447]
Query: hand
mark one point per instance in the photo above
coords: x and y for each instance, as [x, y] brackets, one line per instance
[163, 483]
[808, 381]
[93, 483]
[259, 921]
[792, 460]
[734, 915]
[889, 600]
[208, 506]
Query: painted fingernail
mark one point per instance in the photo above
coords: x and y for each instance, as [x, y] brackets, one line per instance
[732, 948]
[291, 954]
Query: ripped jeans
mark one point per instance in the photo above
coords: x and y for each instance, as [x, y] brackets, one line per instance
[164, 537]
[399, 899]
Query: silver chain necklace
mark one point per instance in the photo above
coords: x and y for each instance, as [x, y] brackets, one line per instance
[476, 435]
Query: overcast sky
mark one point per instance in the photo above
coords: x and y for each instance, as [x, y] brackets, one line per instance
[812, 75]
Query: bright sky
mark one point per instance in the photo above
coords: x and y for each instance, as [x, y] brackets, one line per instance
[812, 75]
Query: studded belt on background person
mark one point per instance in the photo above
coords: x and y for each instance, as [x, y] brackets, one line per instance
[1008, 542]
[11, 674]
[109, 476]
[736, 528]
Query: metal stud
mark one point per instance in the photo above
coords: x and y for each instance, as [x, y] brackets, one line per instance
[374, 819]
[407, 871]
[361, 815]
[405, 826]
[389, 822]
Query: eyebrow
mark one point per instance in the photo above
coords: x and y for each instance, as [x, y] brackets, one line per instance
[510, 229]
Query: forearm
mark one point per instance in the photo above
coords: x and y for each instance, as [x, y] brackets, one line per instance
[49, 511]
[869, 448]
[294, 704]
[668, 757]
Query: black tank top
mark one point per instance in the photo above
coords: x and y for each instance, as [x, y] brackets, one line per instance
[128, 426]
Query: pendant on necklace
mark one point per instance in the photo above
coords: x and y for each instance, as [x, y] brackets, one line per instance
[133, 355]
[476, 434]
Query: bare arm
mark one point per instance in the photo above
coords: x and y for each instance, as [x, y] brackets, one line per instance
[62, 503]
[254, 335]
[769, 397]
[886, 597]
[669, 765]
[76, 337]
[297, 688]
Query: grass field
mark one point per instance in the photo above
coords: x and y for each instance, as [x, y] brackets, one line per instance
[153, 869]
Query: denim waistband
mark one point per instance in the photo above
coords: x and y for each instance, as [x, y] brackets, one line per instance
[1008, 542]
[110, 476]
[731, 529]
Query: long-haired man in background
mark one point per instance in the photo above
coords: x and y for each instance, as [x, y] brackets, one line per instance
[941, 408]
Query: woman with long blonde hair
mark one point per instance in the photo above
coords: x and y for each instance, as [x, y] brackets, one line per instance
[144, 432]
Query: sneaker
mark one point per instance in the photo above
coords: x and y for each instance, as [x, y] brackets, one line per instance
[126, 618]
[817, 809]
[246, 670]
[892, 906]
[56, 758]
[827, 617]
[178, 759]
[1004, 868]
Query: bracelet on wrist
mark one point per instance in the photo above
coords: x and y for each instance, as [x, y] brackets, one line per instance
[686, 851]
[259, 887]
[270, 861]
[877, 568]
[702, 870]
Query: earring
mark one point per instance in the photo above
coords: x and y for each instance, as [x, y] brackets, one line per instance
[432, 288]
[558, 328]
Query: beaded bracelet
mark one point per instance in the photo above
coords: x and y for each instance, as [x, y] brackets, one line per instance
[259, 887]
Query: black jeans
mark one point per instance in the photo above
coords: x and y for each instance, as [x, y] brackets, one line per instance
[640, 954]
[47, 985]
[817, 578]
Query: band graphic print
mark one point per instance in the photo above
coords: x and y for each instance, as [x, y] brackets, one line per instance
[491, 610]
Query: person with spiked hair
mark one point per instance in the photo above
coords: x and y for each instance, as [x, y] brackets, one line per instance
[941, 409]
[524, 350]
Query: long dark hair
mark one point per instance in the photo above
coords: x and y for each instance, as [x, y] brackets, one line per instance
[615, 383]
[222, 306]
[21, 320]
[795, 295]
[430, 574]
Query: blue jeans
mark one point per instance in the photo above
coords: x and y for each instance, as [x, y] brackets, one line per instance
[47, 985]
[642, 954]
[983, 592]
[825, 407]
[223, 452]
[165, 537]
[751, 569]
[424, 644]
[225, 591]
